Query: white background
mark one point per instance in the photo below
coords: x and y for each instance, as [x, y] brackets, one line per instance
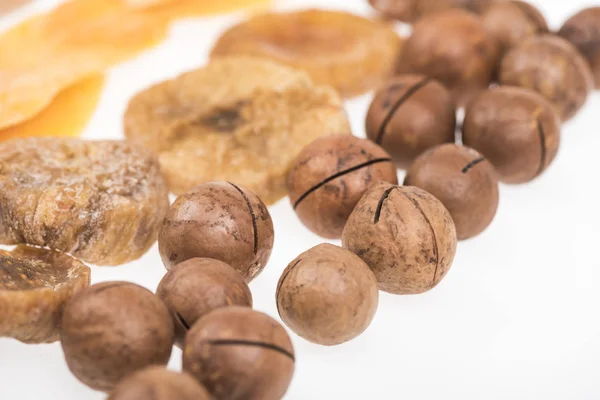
[516, 318]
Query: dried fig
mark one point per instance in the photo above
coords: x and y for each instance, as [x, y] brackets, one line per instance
[35, 284]
[102, 202]
[351, 53]
[237, 119]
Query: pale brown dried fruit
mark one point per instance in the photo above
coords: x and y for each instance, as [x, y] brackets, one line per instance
[238, 119]
[35, 284]
[349, 52]
[102, 201]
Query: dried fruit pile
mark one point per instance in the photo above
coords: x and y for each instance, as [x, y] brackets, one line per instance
[243, 130]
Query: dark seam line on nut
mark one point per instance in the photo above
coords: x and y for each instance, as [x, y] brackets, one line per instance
[114, 285]
[233, 342]
[254, 224]
[542, 134]
[280, 284]
[414, 89]
[185, 324]
[337, 175]
[527, 12]
[435, 245]
[381, 201]
[472, 164]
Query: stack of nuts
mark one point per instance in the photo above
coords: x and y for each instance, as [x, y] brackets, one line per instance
[517, 83]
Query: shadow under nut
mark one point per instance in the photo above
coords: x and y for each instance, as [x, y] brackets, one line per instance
[405, 235]
[218, 220]
[327, 295]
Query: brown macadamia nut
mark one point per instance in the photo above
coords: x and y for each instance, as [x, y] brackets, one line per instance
[405, 235]
[194, 287]
[553, 67]
[113, 329]
[463, 180]
[218, 220]
[512, 21]
[411, 10]
[329, 177]
[35, 285]
[410, 114]
[327, 295]
[454, 48]
[237, 353]
[583, 30]
[516, 129]
[158, 383]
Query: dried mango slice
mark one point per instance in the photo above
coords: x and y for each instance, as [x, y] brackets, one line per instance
[67, 115]
[103, 202]
[9, 5]
[77, 40]
[35, 284]
[238, 119]
[351, 53]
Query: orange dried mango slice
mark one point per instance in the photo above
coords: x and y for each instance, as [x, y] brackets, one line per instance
[349, 52]
[67, 115]
[77, 40]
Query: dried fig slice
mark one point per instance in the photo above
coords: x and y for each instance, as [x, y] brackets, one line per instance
[101, 201]
[238, 119]
[35, 284]
[349, 52]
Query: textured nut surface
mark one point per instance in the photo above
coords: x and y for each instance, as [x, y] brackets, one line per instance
[158, 383]
[113, 329]
[238, 119]
[516, 129]
[102, 201]
[411, 10]
[195, 287]
[463, 180]
[583, 30]
[410, 114]
[405, 235]
[512, 21]
[237, 353]
[218, 220]
[327, 295]
[553, 67]
[454, 48]
[329, 177]
[351, 53]
[35, 284]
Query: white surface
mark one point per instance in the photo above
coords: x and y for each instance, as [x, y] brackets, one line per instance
[517, 316]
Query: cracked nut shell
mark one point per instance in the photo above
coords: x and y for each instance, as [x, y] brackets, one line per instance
[512, 21]
[35, 284]
[463, 180]
[158, 383]
[405, 235]
[583, 30]
[329, 177]
[516, 129]
[552, 67]
[113, 329]
[218, 220]
[454, 48]
[327, 295]
[238, 353]
[195, 287]
[410, 114]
